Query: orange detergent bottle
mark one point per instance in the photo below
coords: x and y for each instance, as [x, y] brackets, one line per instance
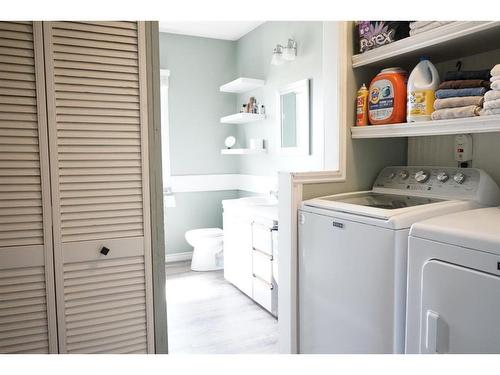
[362, 106]
[387, 97]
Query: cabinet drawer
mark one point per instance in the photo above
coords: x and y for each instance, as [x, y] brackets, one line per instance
[262, 238]
[262, 265]
[265, 294]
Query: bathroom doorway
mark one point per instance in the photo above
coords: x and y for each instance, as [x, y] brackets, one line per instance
[208, 311]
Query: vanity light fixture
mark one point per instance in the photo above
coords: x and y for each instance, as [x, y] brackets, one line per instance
[277, 55]
[282, 54]
[290, 50]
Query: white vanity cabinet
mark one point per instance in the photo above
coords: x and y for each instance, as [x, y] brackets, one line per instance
[250, 251]
[238, 251]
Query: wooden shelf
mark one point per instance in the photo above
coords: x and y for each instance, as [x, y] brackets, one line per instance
[242, 151]
[479, 124]
[242, 118]
[242, 84]
[447, 42]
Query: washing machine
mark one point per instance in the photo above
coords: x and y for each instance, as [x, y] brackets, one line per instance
[454, 284]
[352, 255]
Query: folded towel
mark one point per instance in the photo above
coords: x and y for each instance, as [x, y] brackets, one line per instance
[490, 112]
[467, 74]
[428, 27]
[495, 85]
[419, 24]
[492, 95]
[495, 78]
[464, 83]
[458, 102]
[492, 104]
[459, 112]
[495, 71]
[450, 93]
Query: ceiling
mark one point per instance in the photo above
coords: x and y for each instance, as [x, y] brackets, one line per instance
[228, 30]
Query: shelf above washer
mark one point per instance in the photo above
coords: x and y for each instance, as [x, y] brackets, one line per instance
[443, 43]
[479, 124]
[242, 84]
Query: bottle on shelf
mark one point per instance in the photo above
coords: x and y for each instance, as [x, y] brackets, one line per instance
[243, 108]
[422, 85]
[262, 110]
[362, 106]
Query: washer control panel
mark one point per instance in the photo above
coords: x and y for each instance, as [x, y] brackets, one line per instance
[437, 181]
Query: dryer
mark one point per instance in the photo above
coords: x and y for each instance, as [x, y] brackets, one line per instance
[453, 303]
[352, 257]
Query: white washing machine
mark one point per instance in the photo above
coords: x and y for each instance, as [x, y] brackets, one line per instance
[353, 255]
[454, 284]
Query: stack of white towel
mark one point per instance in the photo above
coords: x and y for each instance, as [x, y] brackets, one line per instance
[418, 27]
[491, 105]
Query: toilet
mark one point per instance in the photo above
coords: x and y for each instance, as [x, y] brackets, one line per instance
[208, 248]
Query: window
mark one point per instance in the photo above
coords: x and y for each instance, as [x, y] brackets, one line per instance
[165, 140]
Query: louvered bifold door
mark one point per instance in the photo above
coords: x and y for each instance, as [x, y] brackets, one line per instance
[27, 302]
[96, 101]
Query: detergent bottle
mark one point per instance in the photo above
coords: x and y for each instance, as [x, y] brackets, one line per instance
[387, 97]
[422, 85]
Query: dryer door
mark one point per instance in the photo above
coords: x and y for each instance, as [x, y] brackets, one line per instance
[460, 311]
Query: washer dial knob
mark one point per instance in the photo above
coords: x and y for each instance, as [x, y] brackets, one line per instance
[443, 177]
[404, 175]
[459, 178]
[421, 176]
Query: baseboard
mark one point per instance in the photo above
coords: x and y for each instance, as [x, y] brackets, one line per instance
[179, 257]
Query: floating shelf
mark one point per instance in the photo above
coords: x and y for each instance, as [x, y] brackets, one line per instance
[242, 118]
[479, 124]
[242, 84]
[443, 43]
[242, 151]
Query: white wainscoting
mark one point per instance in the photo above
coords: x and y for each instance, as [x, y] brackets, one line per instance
[178, 257]
[219, 182]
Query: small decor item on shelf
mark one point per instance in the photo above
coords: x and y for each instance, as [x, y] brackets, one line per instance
[373, 34]
[256, 143]
[243, 108]
[251, 105]
[362, 106]
[262, 110]
[230, 141]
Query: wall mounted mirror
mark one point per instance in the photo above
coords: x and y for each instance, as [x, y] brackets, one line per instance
[293, 108]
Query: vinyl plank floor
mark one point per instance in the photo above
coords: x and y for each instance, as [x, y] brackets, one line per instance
[208, 315]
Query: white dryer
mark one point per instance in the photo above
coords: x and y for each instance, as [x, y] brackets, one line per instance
[454, 284]
[353, 255]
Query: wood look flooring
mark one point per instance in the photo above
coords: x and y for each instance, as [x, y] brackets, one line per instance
[208, 315]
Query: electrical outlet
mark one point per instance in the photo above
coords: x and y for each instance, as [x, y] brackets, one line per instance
[463, 148]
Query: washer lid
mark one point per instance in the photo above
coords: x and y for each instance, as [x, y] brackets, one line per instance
[373, 204]
[475, 229]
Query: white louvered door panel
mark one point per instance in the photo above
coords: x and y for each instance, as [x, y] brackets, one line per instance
[27, 298]
[99, 165]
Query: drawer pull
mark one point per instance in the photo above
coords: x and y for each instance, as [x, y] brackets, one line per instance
[104, 250]
[263, 253]
[269, 285]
